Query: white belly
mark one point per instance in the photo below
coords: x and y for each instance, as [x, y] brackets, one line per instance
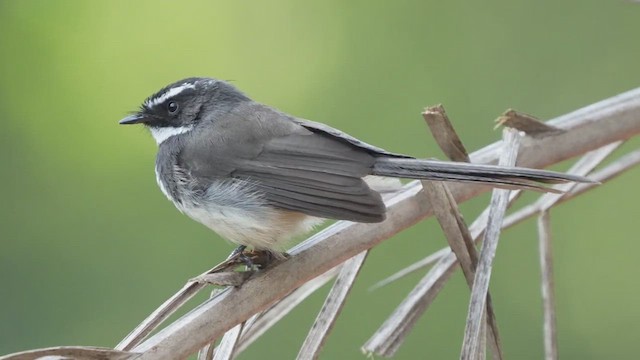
[237, 212]
[262, 230]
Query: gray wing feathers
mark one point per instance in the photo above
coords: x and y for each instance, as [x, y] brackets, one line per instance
[344, 137]
[366, 207]
[295, 167]
[312, 168]
[316, 153]
[316, 175]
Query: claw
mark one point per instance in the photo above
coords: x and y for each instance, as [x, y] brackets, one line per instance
[237, 252]
[246, 260]
[255, 259]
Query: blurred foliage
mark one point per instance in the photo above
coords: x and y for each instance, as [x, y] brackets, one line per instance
[89, 246]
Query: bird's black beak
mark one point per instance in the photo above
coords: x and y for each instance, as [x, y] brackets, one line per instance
[132, 119]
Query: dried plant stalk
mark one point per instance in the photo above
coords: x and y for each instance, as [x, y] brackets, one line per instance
[262, 322]
[389, 337]
[444, 133]
[471, 343]
[415, 267]
[604, 175]
[227, 346]
[585, 129]
[448, 215]
[594, 126]
[527, 123]
[72, 352]
[548, 293]
[461, 243]
[170, 306]
[332, 307]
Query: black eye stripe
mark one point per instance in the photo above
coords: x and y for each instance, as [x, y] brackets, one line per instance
[172, 107]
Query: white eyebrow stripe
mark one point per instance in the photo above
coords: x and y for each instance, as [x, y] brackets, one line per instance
[169, 94]
[163, 133]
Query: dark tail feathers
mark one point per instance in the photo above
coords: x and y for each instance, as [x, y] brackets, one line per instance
[498, 176]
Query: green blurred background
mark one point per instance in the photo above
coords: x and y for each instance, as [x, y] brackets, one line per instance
[89, 245]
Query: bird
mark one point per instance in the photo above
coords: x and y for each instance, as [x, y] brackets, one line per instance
[259, 177]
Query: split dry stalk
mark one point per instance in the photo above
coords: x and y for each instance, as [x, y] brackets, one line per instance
[612, 120]
[584, 130]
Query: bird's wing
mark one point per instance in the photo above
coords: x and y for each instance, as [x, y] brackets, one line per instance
[294, 167]
[344, 137]
[316, 175]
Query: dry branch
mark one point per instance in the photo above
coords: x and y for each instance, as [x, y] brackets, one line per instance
[609, 121]
[332, 307]
[170, 306]
[446, 211]
[227, 346]
[260, 323]
[586, 129]
[415, 267]
[461, 243]
[604, 175]
[471, 348]
[527, 123]
[548, 293]
[72, 352]
[444, 134]
[391, 334]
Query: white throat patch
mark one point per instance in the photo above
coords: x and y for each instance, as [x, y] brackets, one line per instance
[163, 133]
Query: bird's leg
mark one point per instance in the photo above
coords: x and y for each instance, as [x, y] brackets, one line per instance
[238, 253]
[265, 258]
[255, 259]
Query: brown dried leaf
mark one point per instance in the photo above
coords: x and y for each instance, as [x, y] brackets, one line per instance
[444, 133]
[527, 123]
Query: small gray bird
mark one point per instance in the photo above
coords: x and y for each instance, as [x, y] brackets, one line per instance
[259, 177]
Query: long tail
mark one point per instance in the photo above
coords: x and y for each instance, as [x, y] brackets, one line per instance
[497, 176]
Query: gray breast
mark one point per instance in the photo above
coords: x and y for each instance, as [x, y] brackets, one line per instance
[188, 191]
[235, 209]
[166, 161]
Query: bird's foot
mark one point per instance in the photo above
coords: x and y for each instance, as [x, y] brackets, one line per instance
[265, 258]
[238, 256]
[255, 259]
[237, 252]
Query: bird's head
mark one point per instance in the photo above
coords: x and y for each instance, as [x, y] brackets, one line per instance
[179, 107]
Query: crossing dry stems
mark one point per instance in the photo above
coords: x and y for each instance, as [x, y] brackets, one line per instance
[247, 311]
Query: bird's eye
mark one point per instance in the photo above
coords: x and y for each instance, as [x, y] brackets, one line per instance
[172, 107]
